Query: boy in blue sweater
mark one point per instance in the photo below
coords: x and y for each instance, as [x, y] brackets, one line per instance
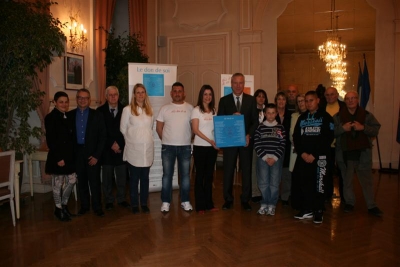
[269, 144]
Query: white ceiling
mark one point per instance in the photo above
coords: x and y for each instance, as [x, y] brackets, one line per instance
[298, 25]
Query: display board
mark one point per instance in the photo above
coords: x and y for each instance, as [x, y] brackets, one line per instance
[158, 80]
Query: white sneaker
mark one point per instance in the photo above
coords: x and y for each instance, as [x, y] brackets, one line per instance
[186, 206]
[261, 211]
[271, 211]
[165, 207]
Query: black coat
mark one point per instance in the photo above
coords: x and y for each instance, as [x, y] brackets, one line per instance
[287, 118]
[114, 134]
[95, 136]
[60, 140]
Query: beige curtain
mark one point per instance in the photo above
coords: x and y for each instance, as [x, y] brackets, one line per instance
[104, 11]
[138, 20]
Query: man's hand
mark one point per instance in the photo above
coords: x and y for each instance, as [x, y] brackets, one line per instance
[358, 126]
[347, 126]
[61, 163]
[115, 147]
[92, 161]
[270, 161]
[308, 158]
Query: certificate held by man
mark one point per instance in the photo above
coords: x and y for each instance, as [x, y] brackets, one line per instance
[229, 131]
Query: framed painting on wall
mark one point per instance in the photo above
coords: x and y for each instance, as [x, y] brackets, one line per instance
[74, 66]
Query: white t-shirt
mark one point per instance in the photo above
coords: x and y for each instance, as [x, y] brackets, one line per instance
[138, 134]
[177, 128]
[206, 126]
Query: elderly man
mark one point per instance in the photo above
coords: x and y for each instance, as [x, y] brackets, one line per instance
[332, 106]
[112, 162]
[292, 93]
[238, 103]
[354, 129]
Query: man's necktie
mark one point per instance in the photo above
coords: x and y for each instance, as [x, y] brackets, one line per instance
[112, 111]
[238, 104]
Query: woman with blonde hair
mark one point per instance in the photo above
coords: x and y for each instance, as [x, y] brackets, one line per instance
[136, 126]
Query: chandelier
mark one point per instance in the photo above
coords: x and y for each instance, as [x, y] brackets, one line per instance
[333, 52]
[77, 36]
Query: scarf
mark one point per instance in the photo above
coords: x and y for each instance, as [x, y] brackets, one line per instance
[354, 140]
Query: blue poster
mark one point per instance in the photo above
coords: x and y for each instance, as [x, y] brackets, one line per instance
[229, 131]
[154, 84]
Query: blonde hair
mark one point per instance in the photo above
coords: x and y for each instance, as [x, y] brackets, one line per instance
[146, 105]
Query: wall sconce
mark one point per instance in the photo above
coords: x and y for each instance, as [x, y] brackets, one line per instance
[77, 36]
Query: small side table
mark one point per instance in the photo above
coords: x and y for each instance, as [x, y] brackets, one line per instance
[38, 155]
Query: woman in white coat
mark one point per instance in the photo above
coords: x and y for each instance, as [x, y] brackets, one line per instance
[136, 126]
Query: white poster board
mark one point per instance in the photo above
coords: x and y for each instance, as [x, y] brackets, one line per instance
[226, 88]
[158, 80]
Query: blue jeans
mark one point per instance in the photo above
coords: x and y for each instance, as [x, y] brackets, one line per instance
[137, 174]
[268, 179]
[168, 155]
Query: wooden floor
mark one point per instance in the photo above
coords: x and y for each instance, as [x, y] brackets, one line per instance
[223, 238]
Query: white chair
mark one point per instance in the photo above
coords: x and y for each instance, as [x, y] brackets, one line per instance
[7, 160]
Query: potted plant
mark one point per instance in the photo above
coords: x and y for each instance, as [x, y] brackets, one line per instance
[30, 37]
[120, 51]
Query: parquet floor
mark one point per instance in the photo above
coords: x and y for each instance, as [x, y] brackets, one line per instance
[223, 238]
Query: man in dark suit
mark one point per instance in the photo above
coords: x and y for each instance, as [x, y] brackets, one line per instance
[111, 161]
[90, 133]
[239, 103]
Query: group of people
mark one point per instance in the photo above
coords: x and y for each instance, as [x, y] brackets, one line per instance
[289, 146]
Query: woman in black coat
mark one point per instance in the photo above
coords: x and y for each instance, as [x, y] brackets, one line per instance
[60, 159]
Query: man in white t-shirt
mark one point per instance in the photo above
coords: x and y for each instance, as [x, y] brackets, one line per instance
[174, 129]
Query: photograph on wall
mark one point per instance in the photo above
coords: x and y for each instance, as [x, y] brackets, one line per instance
[74, 66]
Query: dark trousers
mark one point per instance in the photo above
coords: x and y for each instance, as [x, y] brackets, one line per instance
[229, 160]
[88, 176]
[204, 161]
[311, 178]
[329, 185]
[109, 174]
[137, 174]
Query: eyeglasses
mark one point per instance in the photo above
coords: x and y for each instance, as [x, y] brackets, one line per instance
[82, 97]
[113, 95]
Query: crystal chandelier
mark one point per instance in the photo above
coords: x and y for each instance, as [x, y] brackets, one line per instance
[333, 52]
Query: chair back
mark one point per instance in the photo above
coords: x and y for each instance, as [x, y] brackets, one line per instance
[7, 160]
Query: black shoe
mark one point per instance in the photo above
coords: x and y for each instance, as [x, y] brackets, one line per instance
[60, 215]
[109, 206]
[145, 209]
[135, 210]
[285, 202]
[246, 206]
[348, 208]
[227, 205]
[318, 216]
[375, 211]
[82, 211]
[124, 204]
[66, 211]
[99, 213]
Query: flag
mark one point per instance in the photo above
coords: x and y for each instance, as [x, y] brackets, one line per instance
[365, 87]
[359, 82]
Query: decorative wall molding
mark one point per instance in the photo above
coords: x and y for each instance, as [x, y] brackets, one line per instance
[188, 14]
